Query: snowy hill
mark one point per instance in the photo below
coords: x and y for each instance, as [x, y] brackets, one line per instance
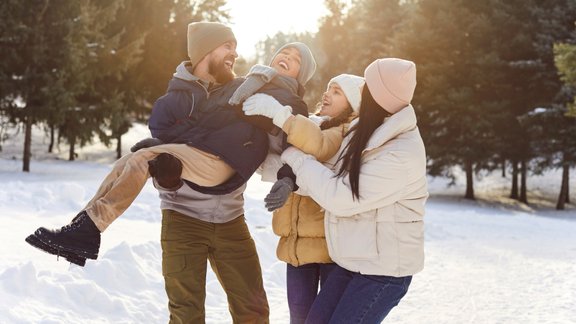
[488, 261]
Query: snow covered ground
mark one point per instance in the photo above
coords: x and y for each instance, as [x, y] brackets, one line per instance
[489, 261]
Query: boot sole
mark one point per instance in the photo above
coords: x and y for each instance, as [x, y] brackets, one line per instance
[81, 253]
[70, 257]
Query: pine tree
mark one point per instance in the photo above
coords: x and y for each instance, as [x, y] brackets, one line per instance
[9, 65]
[118, 90]
[565, 61]
[92, 62]
[372, 26]
[451, 43]
[528, 30]
[352, 35]
[34, 50]
[563, 125]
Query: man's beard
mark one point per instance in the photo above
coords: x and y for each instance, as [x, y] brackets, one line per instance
[220, 71]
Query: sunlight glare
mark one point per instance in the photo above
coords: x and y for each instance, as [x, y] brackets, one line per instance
[254, 20]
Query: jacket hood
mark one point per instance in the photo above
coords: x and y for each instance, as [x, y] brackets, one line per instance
[182, 78]
[183, 73]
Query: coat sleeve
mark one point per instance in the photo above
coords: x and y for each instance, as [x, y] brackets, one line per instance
[308, 137]
[168, 121]
[382, 182]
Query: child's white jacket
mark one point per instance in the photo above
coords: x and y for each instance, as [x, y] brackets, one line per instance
[383, 232]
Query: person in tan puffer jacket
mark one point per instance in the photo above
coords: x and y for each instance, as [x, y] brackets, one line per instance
[300, 221]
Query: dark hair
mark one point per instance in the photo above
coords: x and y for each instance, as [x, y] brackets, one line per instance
[371, 117]
[338, 120]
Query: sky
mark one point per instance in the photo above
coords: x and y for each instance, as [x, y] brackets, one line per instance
[254, 20]
[486, 261]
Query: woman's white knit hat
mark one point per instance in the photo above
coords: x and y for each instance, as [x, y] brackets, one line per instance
[352, 86]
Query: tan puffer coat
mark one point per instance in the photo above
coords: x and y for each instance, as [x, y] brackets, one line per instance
[300, 222]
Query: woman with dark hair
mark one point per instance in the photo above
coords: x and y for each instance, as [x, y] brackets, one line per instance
[373, 192]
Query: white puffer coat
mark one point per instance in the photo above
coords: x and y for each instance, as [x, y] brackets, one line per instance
[383, 232]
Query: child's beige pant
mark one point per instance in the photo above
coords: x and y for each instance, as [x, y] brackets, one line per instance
[129, 175]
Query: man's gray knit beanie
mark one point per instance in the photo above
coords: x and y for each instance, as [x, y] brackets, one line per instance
[204, 37]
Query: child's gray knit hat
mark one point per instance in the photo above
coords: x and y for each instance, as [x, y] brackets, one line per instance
[307, 62]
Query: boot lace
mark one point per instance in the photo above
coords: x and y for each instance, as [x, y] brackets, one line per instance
[74, 225]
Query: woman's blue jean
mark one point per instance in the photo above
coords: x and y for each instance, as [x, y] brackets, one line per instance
[302, 287]
[350, 297]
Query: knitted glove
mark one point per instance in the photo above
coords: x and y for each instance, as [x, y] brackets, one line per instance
[166, 170]
[279, 194]
[259, 75]
[147, 142]
[265, 105]
[294, 158]
[246, 89]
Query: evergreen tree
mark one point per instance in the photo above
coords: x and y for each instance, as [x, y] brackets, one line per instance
[451, 42]
[371, 26]
[120, 97]
[528, 30]
[9, 25]
[34, 51]
[563, 125]
[553, 136]
[92, 62]
[352, 35]
[565, 61]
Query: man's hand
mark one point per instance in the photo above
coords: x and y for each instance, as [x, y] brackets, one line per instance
[265, 105]
[147, 142]
[279, 194]
[167, 170]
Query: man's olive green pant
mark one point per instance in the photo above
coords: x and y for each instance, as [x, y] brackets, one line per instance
[187, 244]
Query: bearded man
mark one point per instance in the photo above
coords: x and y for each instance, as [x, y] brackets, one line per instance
[200, 224]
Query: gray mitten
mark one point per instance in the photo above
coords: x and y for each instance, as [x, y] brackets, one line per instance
[246, 89]
[279, 193]
[147, 142]
[258, 76]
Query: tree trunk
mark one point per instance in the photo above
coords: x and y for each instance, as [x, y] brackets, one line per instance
[563, 187]
[71, 153]
[514, 191]
[523, 190]
[568, 186]
[469, 181]
[119, 147]
[503, 168]
[27, 154]
[51, 145]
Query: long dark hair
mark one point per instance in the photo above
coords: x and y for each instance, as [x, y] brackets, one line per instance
[371, 117]
[338, 120]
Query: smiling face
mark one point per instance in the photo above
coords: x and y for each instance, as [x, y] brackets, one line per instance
[221, 62]
[287, 62]
[334, 102]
